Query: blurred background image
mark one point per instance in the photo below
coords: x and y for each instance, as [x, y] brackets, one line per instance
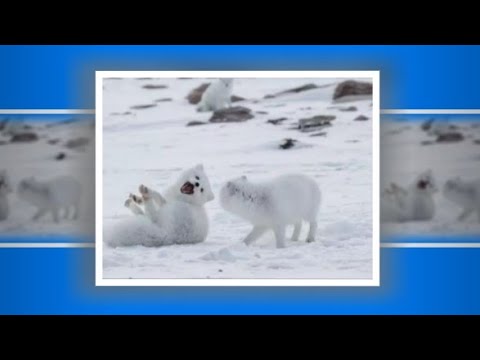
[430, 175]
[47, 176]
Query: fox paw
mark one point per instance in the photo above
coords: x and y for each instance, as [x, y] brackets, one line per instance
[135, 198]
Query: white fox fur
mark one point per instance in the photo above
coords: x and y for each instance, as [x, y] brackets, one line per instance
[5, 189]
[415, 203]
[274, 204]
[466, 194]
[217, 96]
[179, 217]
[52, 196]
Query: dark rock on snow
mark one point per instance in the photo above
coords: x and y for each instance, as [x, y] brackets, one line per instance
[315, 123]
[276, 121]
[349, 108]
[361, 118]
[292, 91]
[321, 133]
[24, 137]
[195, 123]
[450, 137]
[352, 87]
[53, 141]
[196, 94]
[154, 87]
[124, 113]
[141, 107]
[427, 125]
[287, 144]
[235, 98]
[232, 114]
[78, 143]
[60, 156]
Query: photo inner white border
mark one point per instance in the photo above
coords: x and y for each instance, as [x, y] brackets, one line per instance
[371, 75]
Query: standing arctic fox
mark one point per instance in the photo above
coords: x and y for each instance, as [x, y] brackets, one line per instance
[51, 196]
[465, 194]
[415, 203]
[217, 96]
[5, 189]
[274, 204]
[179, 217]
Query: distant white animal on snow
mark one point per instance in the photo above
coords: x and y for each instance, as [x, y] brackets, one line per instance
[466, 194]
[178, 217]
[5, 189]
[217, 96]
[52, 196]
[415, 203]
[274, 204]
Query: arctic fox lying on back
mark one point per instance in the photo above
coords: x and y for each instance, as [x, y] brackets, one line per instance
[217, 96]
[52, 196]
[179, 217]
[465, 194]
[274, 204]
[412, 204]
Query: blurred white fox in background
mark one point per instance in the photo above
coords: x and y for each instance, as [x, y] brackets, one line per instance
[414, 203]
[466, 194]
[217, 96]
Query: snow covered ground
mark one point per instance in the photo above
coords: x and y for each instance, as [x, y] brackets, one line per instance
[37, 158]
[152, 145]
[403, 156]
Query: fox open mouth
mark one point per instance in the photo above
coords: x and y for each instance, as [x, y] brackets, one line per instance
[187, 188]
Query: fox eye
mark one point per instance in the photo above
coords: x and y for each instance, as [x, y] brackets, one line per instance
[196, 177]
[201, 189]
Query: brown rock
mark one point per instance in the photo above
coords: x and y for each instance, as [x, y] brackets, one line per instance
[233, 114]
[361, 118]
[141, 107]
[315, 122]
[78, 143]
[321, 133]
[292, 91]
[154, 87]
[53, 141]
[276, 121]
[24, 137]
[235, 98]
[352, 87]
[195, 95]
[287, 144]
[60, 156]
[196, 123]
[349, 108]
[450, 137]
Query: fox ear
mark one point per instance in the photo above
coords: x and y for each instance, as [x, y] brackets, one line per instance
[199, 167]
